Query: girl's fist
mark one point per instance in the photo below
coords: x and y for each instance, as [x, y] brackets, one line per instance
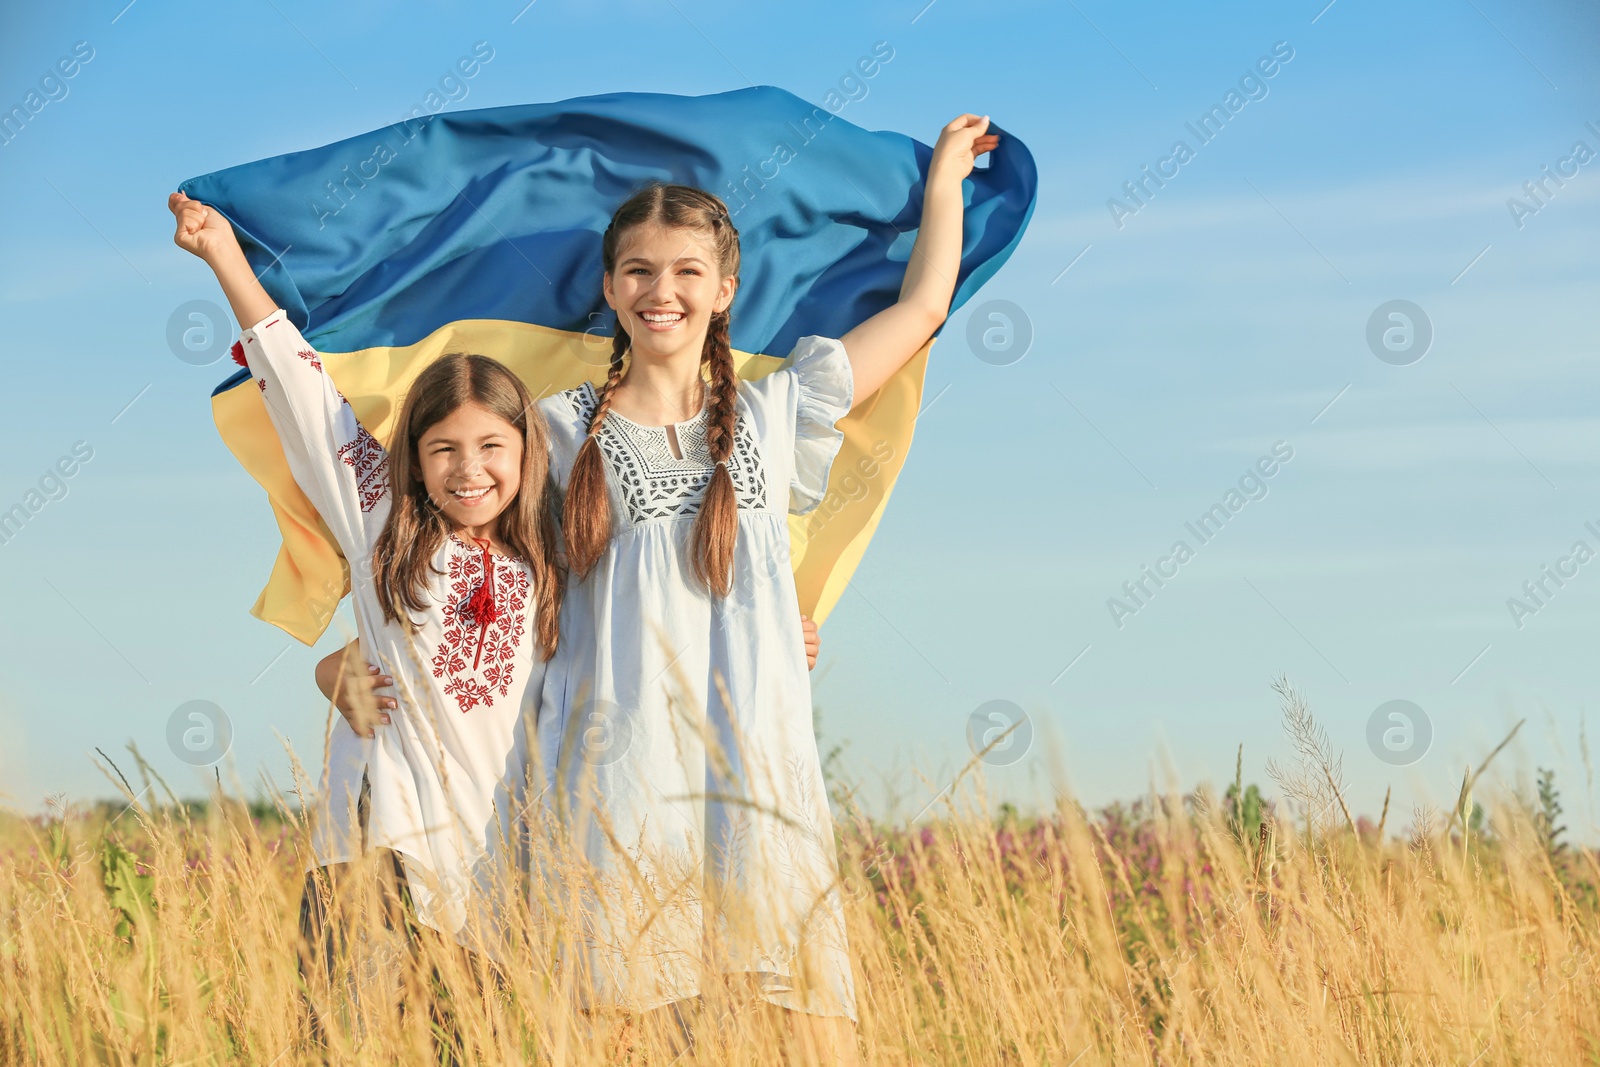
[960, 143]
[201, 230]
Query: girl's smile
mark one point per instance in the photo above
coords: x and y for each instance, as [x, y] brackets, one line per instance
[662, 321]
[472, 498]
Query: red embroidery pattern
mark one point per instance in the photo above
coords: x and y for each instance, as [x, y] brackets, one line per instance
[493, 647]
[310, 357]
[262, 382]
[366, 456]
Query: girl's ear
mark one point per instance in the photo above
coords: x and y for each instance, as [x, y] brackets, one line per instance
[610, 294]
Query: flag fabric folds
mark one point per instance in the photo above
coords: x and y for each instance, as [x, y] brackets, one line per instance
[480, 231]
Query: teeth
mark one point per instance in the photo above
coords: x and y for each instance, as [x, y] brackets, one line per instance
[661, 316]
[470, 494]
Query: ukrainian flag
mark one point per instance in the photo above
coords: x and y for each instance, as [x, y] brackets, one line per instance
[480, 231]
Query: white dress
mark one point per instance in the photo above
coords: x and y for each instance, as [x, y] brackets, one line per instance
[671, 793]
[447, 772]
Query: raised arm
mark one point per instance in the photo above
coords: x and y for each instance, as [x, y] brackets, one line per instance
[204, 232]
[886, 342]
[339, 466]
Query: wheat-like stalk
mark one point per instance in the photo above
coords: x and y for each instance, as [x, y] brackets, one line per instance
[1147, 935]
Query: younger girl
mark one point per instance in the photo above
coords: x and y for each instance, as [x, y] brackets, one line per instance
[676, 725]
[453, 583]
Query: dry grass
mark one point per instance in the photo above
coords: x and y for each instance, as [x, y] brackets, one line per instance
[1169, 932]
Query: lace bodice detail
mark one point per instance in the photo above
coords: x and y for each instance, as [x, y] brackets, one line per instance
[654, 483]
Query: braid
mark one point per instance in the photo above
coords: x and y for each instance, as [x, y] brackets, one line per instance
[718, 354]
[716, 528]
[586, 515]
[619, 349]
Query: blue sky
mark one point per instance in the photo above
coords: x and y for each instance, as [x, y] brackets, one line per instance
[1226, 314]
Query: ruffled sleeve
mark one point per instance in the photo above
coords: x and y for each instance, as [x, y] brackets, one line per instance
[566, 415]
[825, 389]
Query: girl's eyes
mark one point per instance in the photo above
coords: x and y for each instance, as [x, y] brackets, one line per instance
[442, 449]
[685, 270]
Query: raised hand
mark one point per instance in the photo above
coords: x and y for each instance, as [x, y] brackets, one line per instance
[960, 143]
[201, 230]
[204, 232]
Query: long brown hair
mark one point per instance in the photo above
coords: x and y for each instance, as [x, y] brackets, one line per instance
[586, 519]
[416, 527]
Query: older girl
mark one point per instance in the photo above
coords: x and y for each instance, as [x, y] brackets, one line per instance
[677, 722]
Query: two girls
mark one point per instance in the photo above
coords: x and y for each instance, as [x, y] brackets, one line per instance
[674, 730]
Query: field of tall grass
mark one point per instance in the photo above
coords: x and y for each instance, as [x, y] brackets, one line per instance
[1179, 929]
